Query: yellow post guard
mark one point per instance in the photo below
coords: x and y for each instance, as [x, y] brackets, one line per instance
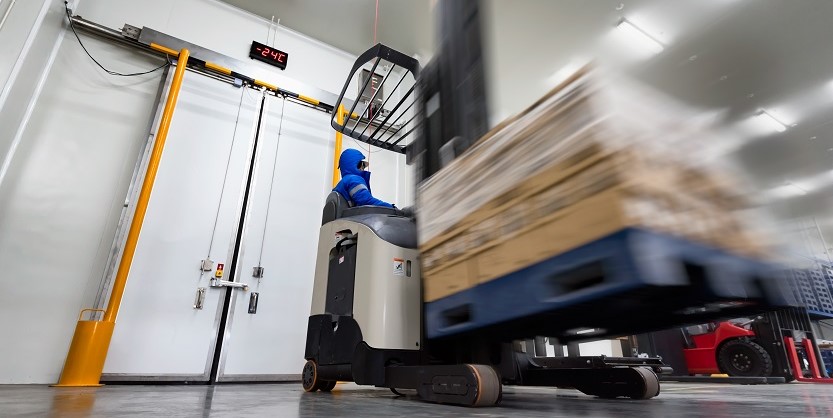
[88, 351]
[340, 113]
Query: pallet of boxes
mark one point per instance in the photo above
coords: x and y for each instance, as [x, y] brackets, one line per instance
[583, 162]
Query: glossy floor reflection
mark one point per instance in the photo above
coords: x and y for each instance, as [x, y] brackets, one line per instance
[348, 400]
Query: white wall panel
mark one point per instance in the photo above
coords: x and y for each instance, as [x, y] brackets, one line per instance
[60, 202]
[29, 46]
[16, 30]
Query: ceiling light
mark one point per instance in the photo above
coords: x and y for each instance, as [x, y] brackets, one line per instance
[638, 38]
[765, 120]
[802, 186]
[786, 190]
[800, 190]
[813, 137]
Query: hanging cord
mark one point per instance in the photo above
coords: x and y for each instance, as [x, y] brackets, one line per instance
[269, 31]
[376, 22]
[367, 150]
[276, 26]
[271, 184]
[72, 26]
[225, 178]
[370, 105]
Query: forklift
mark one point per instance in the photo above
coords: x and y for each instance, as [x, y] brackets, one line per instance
[775, 344]
[368, 319]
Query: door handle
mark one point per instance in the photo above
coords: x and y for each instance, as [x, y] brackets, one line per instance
[200, 300]
[225, 283]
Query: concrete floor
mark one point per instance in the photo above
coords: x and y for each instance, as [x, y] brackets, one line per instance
[288, 400]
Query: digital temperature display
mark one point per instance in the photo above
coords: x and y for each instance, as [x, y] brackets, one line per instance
[268, 55]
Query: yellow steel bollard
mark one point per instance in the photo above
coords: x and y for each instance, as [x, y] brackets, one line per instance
[85, 360]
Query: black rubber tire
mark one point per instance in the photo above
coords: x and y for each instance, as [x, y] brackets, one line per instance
[309, 377]
[744, 357]
[327, 386]
[631, 382]
[650, 381]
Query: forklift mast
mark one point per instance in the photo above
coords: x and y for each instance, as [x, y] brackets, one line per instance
[452, 89]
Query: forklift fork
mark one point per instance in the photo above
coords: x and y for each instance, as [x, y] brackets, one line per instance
[798, 371]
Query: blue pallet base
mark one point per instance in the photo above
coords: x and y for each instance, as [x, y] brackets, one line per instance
[633, 275]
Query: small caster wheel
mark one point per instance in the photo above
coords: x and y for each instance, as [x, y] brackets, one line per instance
[328, 385]
[309, 377]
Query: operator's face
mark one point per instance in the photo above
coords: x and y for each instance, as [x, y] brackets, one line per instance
[363, 165]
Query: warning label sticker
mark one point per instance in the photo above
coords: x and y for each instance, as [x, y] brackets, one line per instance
[398, 267]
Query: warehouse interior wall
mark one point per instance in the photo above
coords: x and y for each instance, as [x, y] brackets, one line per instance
[70, 140]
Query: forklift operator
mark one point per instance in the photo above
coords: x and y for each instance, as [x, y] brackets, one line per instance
[355, 180]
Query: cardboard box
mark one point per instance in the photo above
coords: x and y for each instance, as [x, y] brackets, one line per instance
[574, 225]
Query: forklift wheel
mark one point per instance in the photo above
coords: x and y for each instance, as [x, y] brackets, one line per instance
[489, 386]
[743, 357]
[309, 377]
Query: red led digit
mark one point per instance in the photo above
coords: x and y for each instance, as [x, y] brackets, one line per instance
[281, 56]
[265, 52]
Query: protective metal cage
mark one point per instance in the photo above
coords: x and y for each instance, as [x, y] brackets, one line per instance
[380, 123]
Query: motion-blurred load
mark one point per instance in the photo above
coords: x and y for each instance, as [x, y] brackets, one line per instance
[588, 159]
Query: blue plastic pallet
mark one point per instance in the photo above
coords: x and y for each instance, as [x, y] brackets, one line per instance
[633, 275]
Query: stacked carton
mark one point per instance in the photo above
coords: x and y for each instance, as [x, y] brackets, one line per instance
[578, 165]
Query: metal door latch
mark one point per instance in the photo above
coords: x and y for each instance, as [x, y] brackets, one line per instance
[198, 302]
[225, 283]
[257, 272]
[207, 265]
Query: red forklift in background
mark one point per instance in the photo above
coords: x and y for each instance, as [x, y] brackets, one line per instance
[775, 344]
[725, 348]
